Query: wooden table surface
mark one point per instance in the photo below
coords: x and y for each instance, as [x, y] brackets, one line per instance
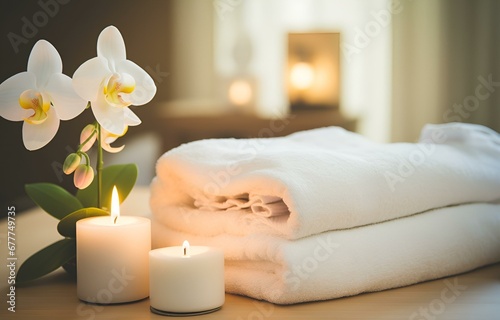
[474, 295]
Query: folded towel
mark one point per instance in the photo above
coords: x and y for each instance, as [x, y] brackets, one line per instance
[320, 180]
[341, 263]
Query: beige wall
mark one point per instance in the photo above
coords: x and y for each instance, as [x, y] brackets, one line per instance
[191, 49]
[441, 51]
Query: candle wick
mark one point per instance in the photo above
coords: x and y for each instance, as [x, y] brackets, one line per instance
[115, 219]
[185, 250]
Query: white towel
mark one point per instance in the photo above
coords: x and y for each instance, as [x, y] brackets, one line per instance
[341, 263]
[321, 180]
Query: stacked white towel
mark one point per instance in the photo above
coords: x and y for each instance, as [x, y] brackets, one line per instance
[281, 205]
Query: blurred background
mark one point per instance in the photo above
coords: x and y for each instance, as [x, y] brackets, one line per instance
[261, 68]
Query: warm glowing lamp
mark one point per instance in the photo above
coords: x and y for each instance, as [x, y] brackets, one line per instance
[240, 92]
[312, 73]
[302, 75]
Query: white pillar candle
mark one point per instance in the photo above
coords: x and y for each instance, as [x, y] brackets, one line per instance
[112, 258]
[186, 280]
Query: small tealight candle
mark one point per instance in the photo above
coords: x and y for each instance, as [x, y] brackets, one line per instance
[112, 257]
[186, 280]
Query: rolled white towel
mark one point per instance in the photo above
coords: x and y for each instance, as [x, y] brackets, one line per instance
[341, 263]
[320, 180]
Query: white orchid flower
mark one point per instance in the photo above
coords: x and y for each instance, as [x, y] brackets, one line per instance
[112, 83]
[40, 96]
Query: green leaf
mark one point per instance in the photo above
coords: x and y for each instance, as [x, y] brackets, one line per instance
[121, 175]
[47, 260]
[52, 198]
[67, 226]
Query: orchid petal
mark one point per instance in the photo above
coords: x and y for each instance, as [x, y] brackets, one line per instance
[35, 136]
[131, 119]
[88, 77]
[145, 88]
[44, 61]
[111, 149]
[110, 45]
[64, 98]
[10, 91]
[108, 138]
[109, 117]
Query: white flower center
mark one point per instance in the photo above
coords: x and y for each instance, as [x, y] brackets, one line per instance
[117, 87]
[38, 102]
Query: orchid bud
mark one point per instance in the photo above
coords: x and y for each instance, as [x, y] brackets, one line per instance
[84, 174]
[86, 133]
[72, 161]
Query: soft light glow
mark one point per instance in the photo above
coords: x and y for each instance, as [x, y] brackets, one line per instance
[115, 205]
[185, 247]
[302, 75]
[240, 92]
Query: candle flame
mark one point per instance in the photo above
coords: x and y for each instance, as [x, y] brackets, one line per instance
[185, 247]
[115, 205]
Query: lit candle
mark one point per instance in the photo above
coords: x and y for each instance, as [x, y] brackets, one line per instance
[186, 280]
[112, 257]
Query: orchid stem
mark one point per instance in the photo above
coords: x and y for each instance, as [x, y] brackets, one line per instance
[99, 166]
